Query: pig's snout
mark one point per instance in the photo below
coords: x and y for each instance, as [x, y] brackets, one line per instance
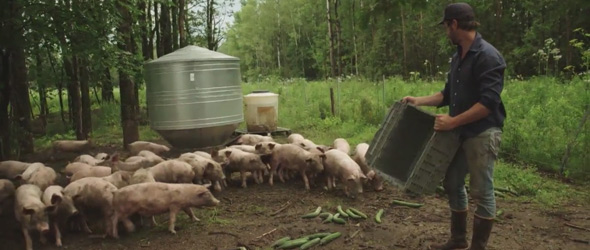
[214, 201]
[43, 227]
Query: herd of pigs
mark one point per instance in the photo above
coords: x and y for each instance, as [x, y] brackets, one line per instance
[147, 184]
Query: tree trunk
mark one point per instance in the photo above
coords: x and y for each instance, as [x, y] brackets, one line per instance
[174, 11]
[181, 17]
[5, 147]
[75, 99]
[86, 106]
[150, 30]
[338, 41]
[107, 87]
[19, 88]
[166, 33]
[159, 46]
[278, 36]
[356, 57]
[210, 29]
[331, 38]
[60, 88]
[404, 44]
[43, 110]
[126, 85]
[143, 23]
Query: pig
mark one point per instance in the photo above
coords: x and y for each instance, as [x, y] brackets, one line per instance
[71, 145]
[101, 156]
[240, 161]
[294, 138]
[88, 159]
[142, 175]
[92, 193]
[31, 212]
[204, 154]
[91, 172]
[291, 157]
[74, 167]
[173, 171]
[359, 157]
[204, 169]
[138, 146]
[38, 174]
[149, 199]
[245, 148]
[10, 169]
[132, 165]
[252, 139]
[153, 158]
[53, 196]
[6, 194]
[338, 164]
[342, 145]
[119, 179]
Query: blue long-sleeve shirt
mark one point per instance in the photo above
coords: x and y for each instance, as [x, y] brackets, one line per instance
[479, 77]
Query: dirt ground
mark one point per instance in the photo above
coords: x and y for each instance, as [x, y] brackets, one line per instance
[248, 217]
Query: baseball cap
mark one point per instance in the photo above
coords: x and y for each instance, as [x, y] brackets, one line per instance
[458, 11]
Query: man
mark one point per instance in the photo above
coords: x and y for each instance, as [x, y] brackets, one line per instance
[476, 113]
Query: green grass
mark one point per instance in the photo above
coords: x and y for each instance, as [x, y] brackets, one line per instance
[543, 115]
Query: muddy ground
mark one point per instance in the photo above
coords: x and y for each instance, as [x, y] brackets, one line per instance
[248, 217]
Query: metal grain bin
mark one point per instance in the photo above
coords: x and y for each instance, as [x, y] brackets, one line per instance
[194, 97]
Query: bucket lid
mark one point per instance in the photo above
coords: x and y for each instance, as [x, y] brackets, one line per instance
[260, 91]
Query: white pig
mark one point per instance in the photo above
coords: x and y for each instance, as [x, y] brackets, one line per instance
[142, 175]
[132, 165]
[6, 194]
[101, 156]
[252, 139]
[71, 145]
[204, 154]
[173, 171]
[74, 167]
[153, 158]
[31, 212]
[92, 193]
[242, 162]
[38, 174]
[88, 159]
[338, 164]
[342, 145]
[359, 157]
[91, 172]
[294, 138]
[53, 196]
[245, 148]
[291, 157]
[149, 199]
[204, 169]
[10, 169]
[119, 179]
[138, 146]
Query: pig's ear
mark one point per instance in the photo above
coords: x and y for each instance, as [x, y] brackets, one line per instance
[350, 178]
[323, 156]
[114, 157]
[28, 211]
[227, 153]
[209, 166]
[320, 149]
[308, 160]
[214, 153]
[258, 146]
[55, 199]
[18, 177]
[302, 144]
[271, 145]
[206, 186]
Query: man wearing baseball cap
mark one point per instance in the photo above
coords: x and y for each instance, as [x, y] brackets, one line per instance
[476, 112]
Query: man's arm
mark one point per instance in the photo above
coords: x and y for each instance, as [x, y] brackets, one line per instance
[432, 100]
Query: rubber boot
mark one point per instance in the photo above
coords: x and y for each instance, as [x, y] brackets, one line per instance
[481, 233]
[458, 238]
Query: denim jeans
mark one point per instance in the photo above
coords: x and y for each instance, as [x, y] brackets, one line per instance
[475, 156]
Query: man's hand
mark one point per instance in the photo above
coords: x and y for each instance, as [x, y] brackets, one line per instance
[411, 100]
[444, 123]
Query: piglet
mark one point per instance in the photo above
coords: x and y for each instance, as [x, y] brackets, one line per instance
[138, 146]
[338, 164]
[38, 174]
[88, 159]
[74, 167]
[149, 199]
[31, 212]
[204, 169]
[359, 157]
[53, 196]
[151, 157]
[252, 139]
[142, 175]
[294, 138]
[91, 172]
[71, 145]
[173, 171]
[342, 145]
[242, 162]
[131, 165]
[119, 179]
[10, 169]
